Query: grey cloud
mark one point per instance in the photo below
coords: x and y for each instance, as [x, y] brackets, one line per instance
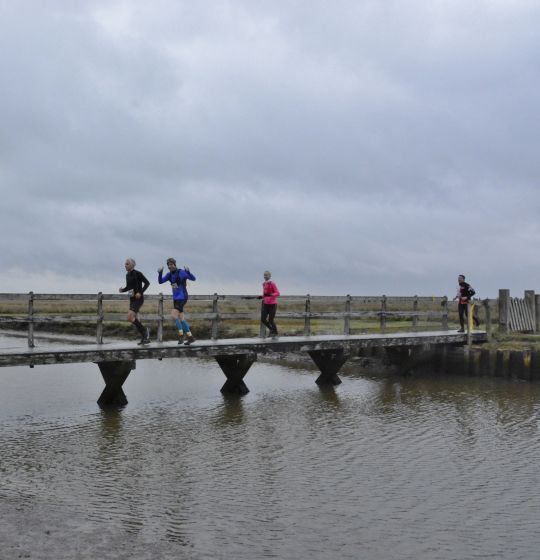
[380, 146]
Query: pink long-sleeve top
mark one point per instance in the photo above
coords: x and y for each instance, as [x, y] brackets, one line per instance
[270, 292]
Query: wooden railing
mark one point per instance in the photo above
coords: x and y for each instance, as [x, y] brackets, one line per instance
[216, 315]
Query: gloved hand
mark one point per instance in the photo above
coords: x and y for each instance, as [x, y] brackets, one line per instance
[259, 297]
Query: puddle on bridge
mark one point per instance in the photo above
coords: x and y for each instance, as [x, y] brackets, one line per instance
[380, 467]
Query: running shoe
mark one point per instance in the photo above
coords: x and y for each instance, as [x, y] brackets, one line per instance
[181, 338]
[274, 335]
[146, 338]
[190, 340]
[461, 330]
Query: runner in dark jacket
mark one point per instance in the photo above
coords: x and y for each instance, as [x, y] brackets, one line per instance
[464, 295]
[136, 285]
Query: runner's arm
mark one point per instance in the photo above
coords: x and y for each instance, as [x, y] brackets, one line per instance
[164, 279]
[144, 281]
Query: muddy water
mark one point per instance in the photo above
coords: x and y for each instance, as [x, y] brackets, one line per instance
[381, 467]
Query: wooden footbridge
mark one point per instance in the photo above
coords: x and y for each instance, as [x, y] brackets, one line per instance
[235, 356]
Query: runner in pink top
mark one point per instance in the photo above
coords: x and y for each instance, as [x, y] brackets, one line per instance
[270, 293]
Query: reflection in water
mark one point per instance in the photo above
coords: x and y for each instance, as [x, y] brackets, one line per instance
[379, 467]
[232, 411]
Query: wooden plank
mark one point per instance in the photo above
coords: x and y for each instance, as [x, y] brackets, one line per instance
[504, 323]
[160, 318]
[127, 351]
[14, 297]
[415, 312]
[31, 320]
[445, 313]
[215, 318]
[347, 321]
[307, 316]
[537, 313]
[489, 326]
[531, 308]
[99, 325]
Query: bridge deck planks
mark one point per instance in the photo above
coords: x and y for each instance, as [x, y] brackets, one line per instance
[128, 351]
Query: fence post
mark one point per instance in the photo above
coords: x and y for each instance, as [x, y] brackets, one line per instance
[488, 319]
[383, 312]
[504, 317]
[469, 323]
[99, 326]
[31, 320]
[537, 313]
[160, 318]
[347, 328]
[307, 319]
[445, 313]
[214, 319]
[262, 331]
[529, 299]
[415, 310]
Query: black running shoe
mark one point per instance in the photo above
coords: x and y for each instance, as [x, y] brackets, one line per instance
[461, 330]
[190, 340]
[181, 338]
[146, 338]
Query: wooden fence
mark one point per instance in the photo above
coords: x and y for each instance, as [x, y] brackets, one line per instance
[519, 314]
[218, 315]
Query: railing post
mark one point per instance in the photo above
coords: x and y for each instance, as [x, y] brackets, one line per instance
[537, 313]
[445, 313]
[415, 312]
[160, 318]
[31, 320]
[504, 316]
[99, 326]
[214, 319]
[307, 318]
[469, 323]
[530, 300]
[489, 327]
[262, 330]
[347, 327]
[383, 312]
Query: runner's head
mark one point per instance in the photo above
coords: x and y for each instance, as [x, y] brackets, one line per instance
[461, 278]
[130, 264]
[267, 275]
[171, 263]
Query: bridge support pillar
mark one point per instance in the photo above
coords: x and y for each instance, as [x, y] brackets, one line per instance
[329, 363]
[235, 368]
[114, 374]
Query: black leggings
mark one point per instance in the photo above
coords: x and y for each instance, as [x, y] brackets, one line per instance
[462, 314]
[269, 310]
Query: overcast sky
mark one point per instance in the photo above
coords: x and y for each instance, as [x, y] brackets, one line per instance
[373, 147]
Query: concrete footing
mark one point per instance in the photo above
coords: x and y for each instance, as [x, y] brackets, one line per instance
[114, 374]
[329, 363]
[235, 368]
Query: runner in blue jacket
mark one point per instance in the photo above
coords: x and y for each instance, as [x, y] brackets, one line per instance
[178, 279]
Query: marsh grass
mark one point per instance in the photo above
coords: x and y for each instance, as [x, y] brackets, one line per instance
[231, 328]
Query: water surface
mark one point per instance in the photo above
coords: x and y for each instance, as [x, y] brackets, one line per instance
[380, 467]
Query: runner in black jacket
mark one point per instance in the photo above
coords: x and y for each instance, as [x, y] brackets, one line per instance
[136, 284]
[464, 295]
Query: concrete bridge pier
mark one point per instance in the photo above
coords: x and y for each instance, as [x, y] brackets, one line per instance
[235, 368]
[329, 363]
[114, 374]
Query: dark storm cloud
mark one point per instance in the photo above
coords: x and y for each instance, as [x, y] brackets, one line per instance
[350, 147]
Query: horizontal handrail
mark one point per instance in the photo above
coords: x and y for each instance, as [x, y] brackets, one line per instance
[212, 297]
